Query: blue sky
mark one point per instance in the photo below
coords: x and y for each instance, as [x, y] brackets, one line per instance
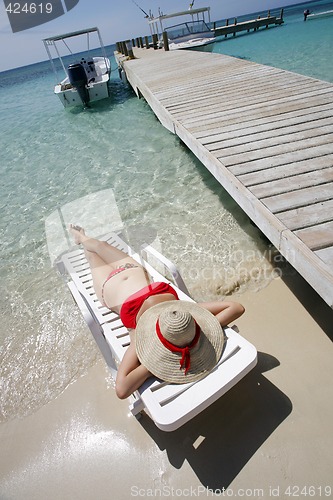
[117, 20]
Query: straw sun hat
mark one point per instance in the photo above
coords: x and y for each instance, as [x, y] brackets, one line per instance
[179, 341]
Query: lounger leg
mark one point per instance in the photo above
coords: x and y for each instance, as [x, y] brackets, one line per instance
[136, 407]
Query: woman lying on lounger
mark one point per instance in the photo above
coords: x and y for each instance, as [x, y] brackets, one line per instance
[175, 340]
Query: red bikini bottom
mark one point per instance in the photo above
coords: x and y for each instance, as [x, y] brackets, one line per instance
[133, 303]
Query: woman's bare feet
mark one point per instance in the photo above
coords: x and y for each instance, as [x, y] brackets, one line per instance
[78, 233]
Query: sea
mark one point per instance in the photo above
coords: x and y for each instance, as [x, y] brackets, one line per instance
[113, 166]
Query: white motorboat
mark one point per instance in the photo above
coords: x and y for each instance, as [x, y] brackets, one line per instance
[192, 32]
[86, 77]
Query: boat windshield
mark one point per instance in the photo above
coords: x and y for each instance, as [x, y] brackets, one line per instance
[187, 28]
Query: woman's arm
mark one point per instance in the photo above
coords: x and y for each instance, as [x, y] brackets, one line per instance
[131, 374]
[226, 312]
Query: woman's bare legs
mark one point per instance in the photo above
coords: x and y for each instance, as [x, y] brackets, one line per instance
[109, 254]
[102, 257]
[100, 269]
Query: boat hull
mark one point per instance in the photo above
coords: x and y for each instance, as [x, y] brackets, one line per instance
[70, 97]
[191, 42]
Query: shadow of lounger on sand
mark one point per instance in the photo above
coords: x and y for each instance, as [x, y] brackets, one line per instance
[231, 430]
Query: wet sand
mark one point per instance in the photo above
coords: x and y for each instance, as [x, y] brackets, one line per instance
[269, 436]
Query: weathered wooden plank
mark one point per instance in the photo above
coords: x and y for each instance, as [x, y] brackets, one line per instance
[299, 198]
[276, 145]
[211, 69]
[259, 107]
[326, 255]
[188, 93]
[315, 270]
[292, 182]
[235, 120]
[159, 75]
[233, 83]
[296, 147]
[311, 215]
[268, 223]
[317, 237]
[287, 169]
[236, 99]
[280, 135]
[191, 91]
[270, 120]
[210, 73]
[226, 101]
[269, 124]
[290, 158]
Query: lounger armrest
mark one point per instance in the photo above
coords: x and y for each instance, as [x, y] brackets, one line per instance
[170, 266]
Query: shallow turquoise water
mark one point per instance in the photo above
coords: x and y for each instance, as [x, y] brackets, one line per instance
[302, 47]
[114, 166]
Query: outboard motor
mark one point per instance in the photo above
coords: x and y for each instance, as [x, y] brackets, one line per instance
[78, 78]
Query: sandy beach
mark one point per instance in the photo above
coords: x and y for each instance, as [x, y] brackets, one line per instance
[270, 436]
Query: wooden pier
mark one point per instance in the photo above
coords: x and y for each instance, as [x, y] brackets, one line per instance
[229, 28]
[254, 24]
[264, 133]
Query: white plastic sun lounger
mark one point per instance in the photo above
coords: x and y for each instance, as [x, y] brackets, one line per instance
[169, 405]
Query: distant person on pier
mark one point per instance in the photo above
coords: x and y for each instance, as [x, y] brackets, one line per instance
[306, 13]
